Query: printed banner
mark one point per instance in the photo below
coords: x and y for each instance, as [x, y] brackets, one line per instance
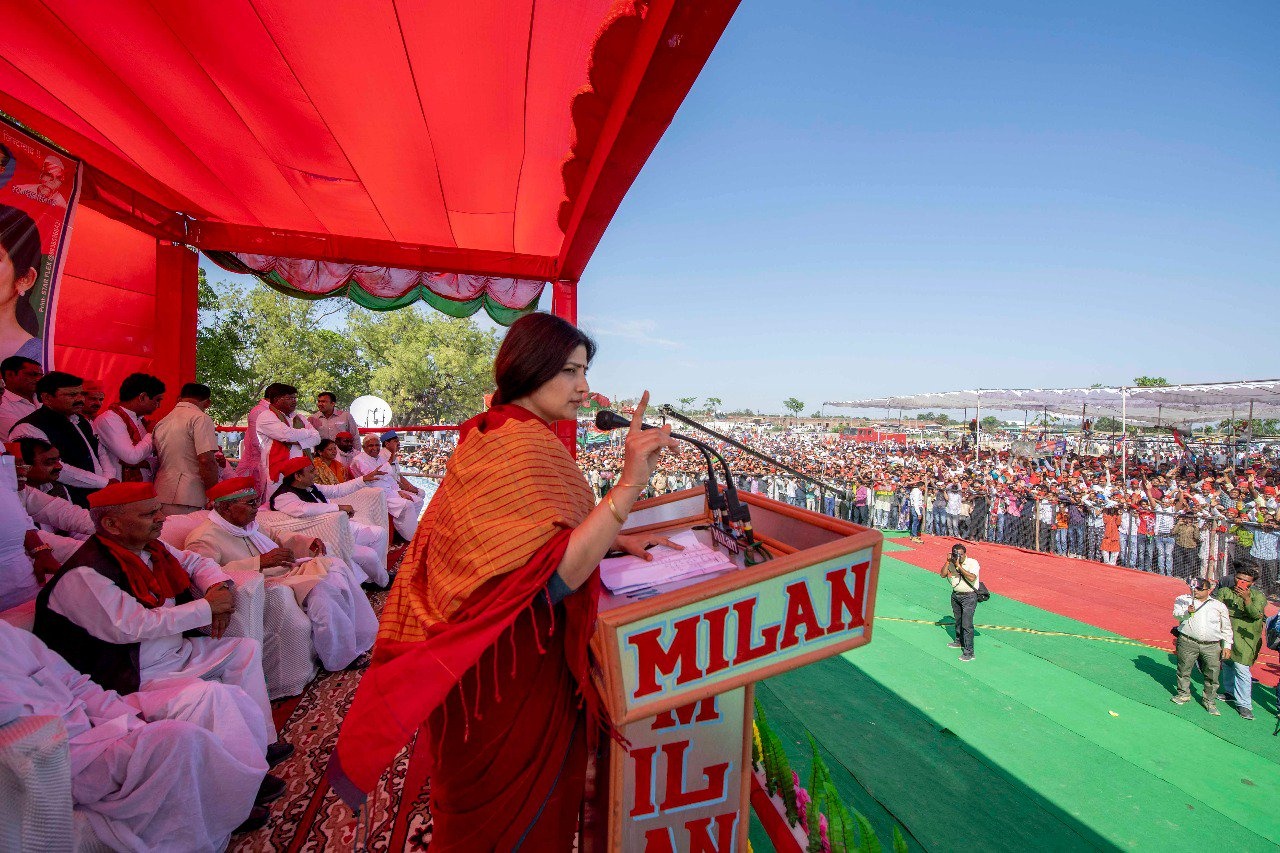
[39, 188]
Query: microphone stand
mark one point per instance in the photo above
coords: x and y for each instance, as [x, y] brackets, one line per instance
[731, 519]
[669, 412]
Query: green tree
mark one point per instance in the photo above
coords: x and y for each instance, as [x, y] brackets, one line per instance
[991, 423]
[251, 336]
[431, 368]
[714, 404]
[220, 346]
[1106, 423]
[1261, 426]
[1150, 382]
[686, 403]
[794, 406]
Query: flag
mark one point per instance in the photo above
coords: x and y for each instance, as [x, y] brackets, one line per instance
[1177, 437]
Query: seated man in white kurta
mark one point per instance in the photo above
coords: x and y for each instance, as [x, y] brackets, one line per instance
[20, 547]
[61, 525]
[177, 769]
[298, 495]
[404, 500]
[343, 624]
[117, 610]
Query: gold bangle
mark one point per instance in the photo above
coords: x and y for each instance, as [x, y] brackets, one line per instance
[634, 485]
[614, 509]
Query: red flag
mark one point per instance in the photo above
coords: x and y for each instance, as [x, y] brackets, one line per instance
[1177, 437]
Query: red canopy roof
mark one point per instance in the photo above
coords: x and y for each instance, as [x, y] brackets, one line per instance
[491, 137]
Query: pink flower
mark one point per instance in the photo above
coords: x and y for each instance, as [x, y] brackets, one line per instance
[822, 833]
[802, 797]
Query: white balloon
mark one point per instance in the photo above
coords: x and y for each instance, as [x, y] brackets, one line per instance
[371, 411]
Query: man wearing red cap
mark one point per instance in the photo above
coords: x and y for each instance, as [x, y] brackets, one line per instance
[343, 624]
[119, 607]
[94, 397]
[299, 495]
[347, 449]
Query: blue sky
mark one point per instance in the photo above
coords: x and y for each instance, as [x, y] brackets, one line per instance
[869, 198]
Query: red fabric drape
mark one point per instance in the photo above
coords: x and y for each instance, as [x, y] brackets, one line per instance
[126, 304]
[510, 746]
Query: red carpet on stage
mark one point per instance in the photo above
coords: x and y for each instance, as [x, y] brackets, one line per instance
[1133, 604]
[310, 817]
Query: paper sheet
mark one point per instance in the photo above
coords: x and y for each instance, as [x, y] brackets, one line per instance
[627, 574]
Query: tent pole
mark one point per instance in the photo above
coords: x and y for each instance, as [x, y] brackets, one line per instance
[1234, 443]
[564, 304]
[977, 433]
[1251, 432]
[1124, 436]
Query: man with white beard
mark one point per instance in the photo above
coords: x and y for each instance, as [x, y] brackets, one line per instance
[177, 769]
[343, 624]
[119, 607]
[404, 500]
[300, 496]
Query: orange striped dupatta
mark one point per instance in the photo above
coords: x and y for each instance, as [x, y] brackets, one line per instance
[486, 548]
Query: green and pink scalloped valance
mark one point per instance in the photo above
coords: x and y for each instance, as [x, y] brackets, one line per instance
[388, 288]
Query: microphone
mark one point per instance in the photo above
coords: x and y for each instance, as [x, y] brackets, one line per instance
[607, 420]
[724, 505]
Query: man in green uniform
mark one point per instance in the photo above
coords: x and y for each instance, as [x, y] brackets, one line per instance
[1247, 607]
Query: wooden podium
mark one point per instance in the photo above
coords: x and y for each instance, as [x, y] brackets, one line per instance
[679, 661]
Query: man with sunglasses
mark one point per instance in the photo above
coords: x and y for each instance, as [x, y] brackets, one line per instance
[1247, 606]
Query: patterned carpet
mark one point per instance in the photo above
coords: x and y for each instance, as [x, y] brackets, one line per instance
[309, 817]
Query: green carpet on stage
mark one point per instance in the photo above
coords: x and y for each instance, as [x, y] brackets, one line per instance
[1041, 743]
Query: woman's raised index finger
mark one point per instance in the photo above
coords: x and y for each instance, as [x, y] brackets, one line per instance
[637, 420]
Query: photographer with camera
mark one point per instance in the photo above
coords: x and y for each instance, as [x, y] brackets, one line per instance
[1204, 637]
[962, 571]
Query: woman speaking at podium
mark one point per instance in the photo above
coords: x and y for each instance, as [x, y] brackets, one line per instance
[482, 648]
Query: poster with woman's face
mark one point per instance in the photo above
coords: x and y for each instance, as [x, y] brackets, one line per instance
[38, 191]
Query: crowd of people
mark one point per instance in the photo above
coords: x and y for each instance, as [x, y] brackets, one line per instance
[131, 554]
[1161, 510]
[127, 541]
[1164, 509]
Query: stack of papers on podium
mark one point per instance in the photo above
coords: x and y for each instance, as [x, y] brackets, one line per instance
[628, 574]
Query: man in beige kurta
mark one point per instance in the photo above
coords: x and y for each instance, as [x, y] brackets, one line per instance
[343, 624]
[186, 444]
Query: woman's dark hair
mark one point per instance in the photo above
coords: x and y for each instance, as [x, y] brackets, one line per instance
[533, 352]
[324, 442]
[21, 240]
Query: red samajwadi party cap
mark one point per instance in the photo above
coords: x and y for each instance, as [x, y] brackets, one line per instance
[294, 465]
[119, 494]
[232, 489]
[13, 448]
